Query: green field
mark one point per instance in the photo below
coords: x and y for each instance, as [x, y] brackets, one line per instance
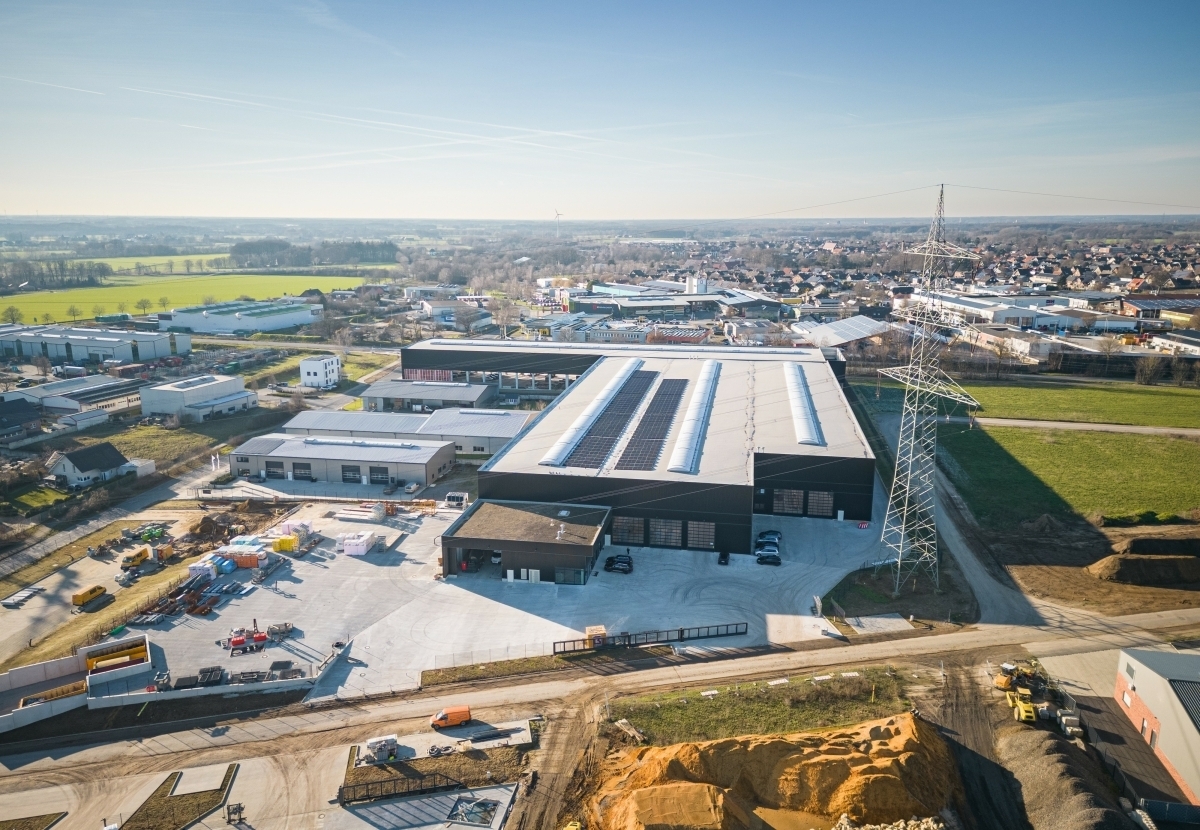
[179, 291]
[1107, 403]
[128, 263]
[1009, 475]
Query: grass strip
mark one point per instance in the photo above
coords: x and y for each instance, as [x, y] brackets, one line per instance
[32, 822]
[163, 811]
[530, 665]
[756, 708]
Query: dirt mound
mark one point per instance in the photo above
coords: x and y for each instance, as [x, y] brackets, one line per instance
[1138, 569]
[1044, 523]
[1060, 790]
[879, 771]
[1157, 545]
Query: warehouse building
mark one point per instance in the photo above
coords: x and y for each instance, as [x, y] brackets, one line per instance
[538, 542]
[199, 398]
[686, 445]
[347, 460]
[1159, 691]
[472, 431]
[78, 345]
[240, 316]
[423, 395]
[73, 395]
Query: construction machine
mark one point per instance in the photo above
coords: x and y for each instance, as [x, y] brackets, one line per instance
[1021, 702]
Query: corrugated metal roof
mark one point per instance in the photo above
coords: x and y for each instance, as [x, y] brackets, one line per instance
[483, 423]
[342, 449]
[426, 390]
[394, 423]
[1188, 692]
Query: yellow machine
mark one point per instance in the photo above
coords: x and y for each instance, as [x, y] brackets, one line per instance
[1021, 702]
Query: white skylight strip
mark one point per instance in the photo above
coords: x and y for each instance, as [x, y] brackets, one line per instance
[574, 434]
[804, 412]
[685, 458]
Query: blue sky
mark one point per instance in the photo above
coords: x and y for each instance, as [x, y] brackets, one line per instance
[602, 111]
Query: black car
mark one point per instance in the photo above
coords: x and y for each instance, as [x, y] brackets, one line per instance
[723, 558]
[769, 559]
[618, 564]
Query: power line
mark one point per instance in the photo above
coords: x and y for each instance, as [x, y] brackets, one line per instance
[1068, 196]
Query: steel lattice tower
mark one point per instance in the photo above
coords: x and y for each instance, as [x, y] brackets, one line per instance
[910, 529]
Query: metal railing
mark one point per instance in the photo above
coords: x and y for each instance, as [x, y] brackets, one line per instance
[645, 638]
[432, 783]
[1171, 811]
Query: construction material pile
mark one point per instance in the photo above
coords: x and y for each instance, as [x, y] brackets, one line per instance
[880, 771]
[845, 823]
[1146, 569]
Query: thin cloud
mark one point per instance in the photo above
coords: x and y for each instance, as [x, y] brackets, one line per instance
[55, 86]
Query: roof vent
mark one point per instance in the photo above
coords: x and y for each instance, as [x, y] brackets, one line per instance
[685, 458]
[564, 513]
[804, 412]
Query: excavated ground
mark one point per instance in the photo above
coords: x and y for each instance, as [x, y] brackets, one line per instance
[880, 771]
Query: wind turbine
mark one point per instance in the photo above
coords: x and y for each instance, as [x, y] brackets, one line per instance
[556, 218]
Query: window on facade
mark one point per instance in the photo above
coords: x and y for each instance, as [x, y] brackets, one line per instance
[789, 501]
[1153, 739]
[1129, 670]
[628, 530]
[1143, 729]
[666, 533]
[701, 535]
[379, 475]
[351, 474]
[820, 503]
[244, 459]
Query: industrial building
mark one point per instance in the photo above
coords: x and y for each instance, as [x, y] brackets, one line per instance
[199, 398]
[241, 316]
[79, 345]
[66, 397]
[472, 431]
[321, 372]
[684, 444]
[1159, 691]
[423, 395]
[348, 460]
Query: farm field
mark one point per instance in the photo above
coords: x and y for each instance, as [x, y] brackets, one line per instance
[1107, 403]
[128, 263]
[1093, 403]
[1011, 475]
[179, 291]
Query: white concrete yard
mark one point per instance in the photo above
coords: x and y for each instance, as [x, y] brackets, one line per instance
[400, 618]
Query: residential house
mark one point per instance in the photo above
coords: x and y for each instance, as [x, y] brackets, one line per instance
[90, 465]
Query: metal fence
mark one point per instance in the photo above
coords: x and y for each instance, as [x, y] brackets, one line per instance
[645, 638]
[1171, 811]
[432, 783]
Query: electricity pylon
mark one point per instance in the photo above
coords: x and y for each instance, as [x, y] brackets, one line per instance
[910, 529]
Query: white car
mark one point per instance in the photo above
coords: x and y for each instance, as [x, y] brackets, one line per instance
[412, 488]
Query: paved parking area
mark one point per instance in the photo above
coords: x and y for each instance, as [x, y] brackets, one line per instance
[401, 618]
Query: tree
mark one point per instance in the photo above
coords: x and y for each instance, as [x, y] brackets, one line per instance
[97, 310]
[1181, 368]
[13, 314]
[465, 318]
[163, 302]
[1108, 346]
[187, 265]
[74, 311]
[122, 307]
[170, 266]
[297, 403]
[144, 305]
[209, 300]
[1149, 370]
[47, 319]
[1194, 321]
[42, 364]
[503, 311]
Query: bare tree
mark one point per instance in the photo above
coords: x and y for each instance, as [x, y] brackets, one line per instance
[47, 319]
[187, 265]
[1149, 370]
[97, 310]
[144, 305]
[297, 403]
[504, 311]
[1108, 346]
[170, 266]
[122, 307]
[465, 318]
[163, 302]
[74, 311]
[209, 300]
[13, 314]
[42, 364]
[1181, 368]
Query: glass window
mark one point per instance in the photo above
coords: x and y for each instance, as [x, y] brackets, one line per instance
[1129, 669]
[701, 535]
[628, 530]
[820, 503]
[1153, 739]
[666, 533]
[789, 501]
[351, 474]
[243, 459]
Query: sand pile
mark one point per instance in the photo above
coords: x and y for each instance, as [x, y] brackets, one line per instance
[880, 771]
[1044, 523]
[1142, 569]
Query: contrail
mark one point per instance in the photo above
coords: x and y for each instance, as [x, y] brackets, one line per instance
[56, 86]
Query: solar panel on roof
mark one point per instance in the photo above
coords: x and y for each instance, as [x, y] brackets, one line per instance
[646, 444]
[595, 446]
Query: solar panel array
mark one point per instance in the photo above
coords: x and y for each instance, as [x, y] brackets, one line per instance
[646, 444]
[595, 446]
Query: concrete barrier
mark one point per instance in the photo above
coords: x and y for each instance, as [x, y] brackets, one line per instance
[41, 672]
[40, 711]
[200, 691]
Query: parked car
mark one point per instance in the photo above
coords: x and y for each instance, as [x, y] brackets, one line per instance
[769, 559]
[761, 549]
[621, 565]
[412, 488]
[770, 536]
[723, 558]
[495, 558]
[451, 716]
